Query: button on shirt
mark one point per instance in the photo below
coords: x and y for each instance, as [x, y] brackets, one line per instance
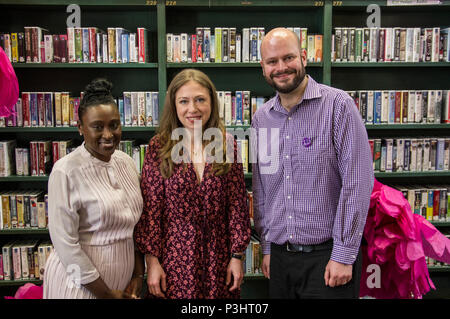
[316, 184]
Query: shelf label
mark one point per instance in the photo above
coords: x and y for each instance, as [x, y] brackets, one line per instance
[150, 2]
[318, 3]
[171, 3]
[337, 3]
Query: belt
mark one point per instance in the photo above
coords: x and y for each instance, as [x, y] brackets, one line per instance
[296, 248]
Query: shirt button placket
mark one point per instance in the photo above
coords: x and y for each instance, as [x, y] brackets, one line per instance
[288, 187]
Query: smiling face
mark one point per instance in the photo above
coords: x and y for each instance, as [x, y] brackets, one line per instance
[193, 103]
[100, 126]
[283, 61]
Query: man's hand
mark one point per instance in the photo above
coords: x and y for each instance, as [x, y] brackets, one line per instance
[337, 274]
[266, 266]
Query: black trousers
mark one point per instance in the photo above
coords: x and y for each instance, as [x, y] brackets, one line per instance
[300, 275]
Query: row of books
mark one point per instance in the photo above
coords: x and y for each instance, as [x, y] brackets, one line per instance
[86, 44]
[410, 155]
[59, 109]
[403, 106]
[136, 152]
[398, 44]
[42, 155]
[24, 259]
[24, 209]
[431, 202]
[227, 45]
[25, 167]
[239, 108]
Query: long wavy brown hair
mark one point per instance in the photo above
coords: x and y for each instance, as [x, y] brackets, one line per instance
[169, 122]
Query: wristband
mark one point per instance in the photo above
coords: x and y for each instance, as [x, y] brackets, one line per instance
[237, 256]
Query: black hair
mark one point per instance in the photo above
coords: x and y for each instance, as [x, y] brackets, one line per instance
[97, 92]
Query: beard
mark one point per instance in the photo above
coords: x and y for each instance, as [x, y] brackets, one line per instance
[288, 87]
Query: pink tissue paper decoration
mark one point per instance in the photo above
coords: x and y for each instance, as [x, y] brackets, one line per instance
[28, 291]
[9, 86]
[398, 241]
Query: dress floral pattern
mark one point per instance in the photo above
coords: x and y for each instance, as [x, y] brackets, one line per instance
[193, 227]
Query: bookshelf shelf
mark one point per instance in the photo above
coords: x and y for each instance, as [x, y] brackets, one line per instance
[440, 224]
[85, 65]
[254, 277]
[26, 231]
[15, 178]
[412, 174]
[69, 129]
[439, 268]
[5, 283]
[225, 65]
[388, 64]
[389, 127]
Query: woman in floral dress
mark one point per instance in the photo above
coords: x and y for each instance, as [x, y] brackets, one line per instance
[195, 224]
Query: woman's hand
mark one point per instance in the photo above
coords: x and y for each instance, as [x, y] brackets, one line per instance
[156, 277]
[134, 288]
[235, 271]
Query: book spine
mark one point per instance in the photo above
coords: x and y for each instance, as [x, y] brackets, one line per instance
[218, 44]
[207, 44]
[34, 109]
[71, 45]
[261, 34]
[143, 45]
[20, 211]
[169, 47]
[65, 109]
[127, 107]
[112, 45]
[148, 109]
[92, 44]
[183, 47]
[232, 34]
[155, 103]
[41, 109]
[404, 108]
[6, 212]
[225, 44]
[34, 211]
[199, 33]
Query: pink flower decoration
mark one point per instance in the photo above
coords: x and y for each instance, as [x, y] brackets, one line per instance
[9, 86]
[398, 241]
[28, 291]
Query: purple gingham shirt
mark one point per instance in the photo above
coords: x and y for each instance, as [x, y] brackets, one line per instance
[318, 187]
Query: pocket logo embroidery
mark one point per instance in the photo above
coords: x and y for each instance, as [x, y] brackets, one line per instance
[306, 142]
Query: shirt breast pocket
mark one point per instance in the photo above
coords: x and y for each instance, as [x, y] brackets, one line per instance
[311, 157]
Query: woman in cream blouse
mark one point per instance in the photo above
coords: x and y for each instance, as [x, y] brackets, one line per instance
[94, 203]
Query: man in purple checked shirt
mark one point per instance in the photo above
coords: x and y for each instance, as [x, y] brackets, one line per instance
[312, 180]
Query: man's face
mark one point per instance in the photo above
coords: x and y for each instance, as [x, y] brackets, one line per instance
[283, 63]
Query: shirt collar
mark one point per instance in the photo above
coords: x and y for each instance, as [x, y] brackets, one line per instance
[88, 156]
[312, 91]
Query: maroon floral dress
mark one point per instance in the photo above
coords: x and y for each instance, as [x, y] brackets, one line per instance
[193, 227]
